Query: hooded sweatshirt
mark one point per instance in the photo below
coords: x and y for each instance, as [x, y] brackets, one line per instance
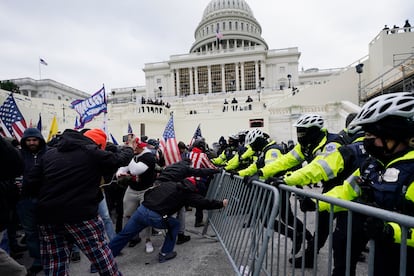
[67, 178]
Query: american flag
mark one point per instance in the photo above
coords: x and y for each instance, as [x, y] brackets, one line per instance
[42, 61]
[219, 35]
[12, 120]
[169, 144]
[130, 129]
[197, 134]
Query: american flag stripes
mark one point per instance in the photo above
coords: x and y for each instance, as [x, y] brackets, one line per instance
[11, 119]
[169, 144]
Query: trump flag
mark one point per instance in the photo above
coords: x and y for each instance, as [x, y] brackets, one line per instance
[90, 107]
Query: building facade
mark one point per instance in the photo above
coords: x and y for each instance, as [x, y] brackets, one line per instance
[227, 63]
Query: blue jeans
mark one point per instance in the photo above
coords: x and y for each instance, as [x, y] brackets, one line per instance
[4, 243]
[142, 218]
[26, 212]
[104, 213]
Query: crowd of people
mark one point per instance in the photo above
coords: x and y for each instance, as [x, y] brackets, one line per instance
[82, 193]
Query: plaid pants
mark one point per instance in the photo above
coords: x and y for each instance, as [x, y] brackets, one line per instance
[88, 235]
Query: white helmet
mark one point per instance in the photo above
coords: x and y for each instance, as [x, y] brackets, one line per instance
[252, 135]
[309, 120]
[395, 104]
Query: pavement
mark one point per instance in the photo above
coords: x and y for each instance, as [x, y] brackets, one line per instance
[200, 256]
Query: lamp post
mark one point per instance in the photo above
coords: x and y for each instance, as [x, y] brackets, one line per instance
[160, 88]
[133, 94]
[289, 76]
[359, 70]
[63, 111]
[260, 87]
[113, 96]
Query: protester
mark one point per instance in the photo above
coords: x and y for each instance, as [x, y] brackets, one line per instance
[177, 172]
[66, 182]
[11, 165]
[33, 147]
[199, 159]
[168, 195]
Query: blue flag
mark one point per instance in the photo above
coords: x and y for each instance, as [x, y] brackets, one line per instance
[90, 107]
[113, 140]
[130, 129]
[39, 123]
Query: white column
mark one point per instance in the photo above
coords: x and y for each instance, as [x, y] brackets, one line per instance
[242, 76]
[223, 79]
[172, 85]
[209, 78]
[177, 72]
[196, 80]
[190, 71]
[236, 67]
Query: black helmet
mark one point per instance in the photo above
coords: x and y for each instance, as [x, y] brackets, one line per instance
[200, 143]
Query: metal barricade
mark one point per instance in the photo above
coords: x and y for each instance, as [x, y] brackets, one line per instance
[254, 229]
[245, 227]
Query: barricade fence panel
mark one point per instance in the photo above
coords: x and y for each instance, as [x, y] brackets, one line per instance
[263, 229]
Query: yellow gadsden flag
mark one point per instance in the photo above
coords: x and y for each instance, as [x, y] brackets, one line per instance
[53, 129]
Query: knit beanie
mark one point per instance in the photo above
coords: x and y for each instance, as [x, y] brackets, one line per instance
[98, 136]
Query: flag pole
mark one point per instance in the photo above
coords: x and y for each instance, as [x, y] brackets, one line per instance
[105, 119]
[40, 69]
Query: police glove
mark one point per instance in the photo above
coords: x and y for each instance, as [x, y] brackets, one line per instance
[378, 230]
[233, 173]
[248, 180]
[307, 204]
[276, 181]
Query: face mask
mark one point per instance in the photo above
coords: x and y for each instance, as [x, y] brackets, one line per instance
[309, 137]
[373, 150]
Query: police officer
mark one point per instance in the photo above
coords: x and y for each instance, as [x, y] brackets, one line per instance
[244, 156]
[268, 151]
[331, 169]
[314, 141]
[229, 152]
[384, 180]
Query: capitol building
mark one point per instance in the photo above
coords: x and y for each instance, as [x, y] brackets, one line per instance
[231, 80]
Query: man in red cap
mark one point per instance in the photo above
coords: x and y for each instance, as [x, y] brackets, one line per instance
[66, 182]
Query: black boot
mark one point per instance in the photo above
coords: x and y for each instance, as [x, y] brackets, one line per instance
[298, 245]
[181, 238]
[309, 254]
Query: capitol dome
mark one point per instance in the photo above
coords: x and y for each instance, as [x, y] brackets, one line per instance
[227, 24]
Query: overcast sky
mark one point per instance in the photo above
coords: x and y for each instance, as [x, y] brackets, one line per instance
[87, 43]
